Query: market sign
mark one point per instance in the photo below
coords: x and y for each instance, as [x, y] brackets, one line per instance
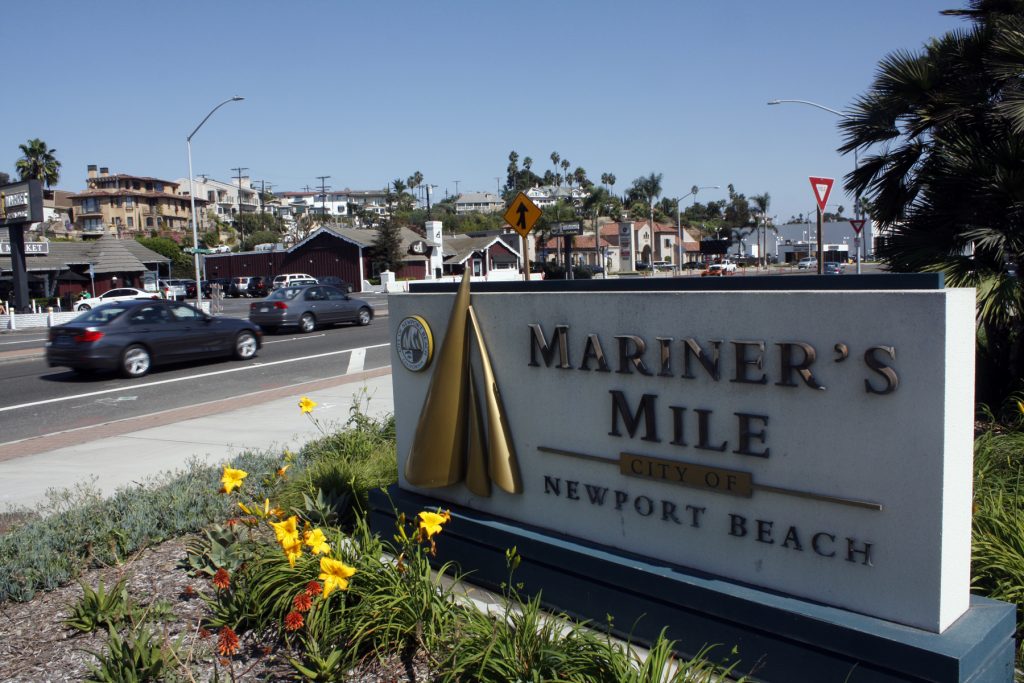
[21, 203]
[37, 248]
[759, 436]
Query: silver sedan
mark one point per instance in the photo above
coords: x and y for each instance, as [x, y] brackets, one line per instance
[307, 307]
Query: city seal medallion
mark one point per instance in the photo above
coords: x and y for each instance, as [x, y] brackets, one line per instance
[415, 343]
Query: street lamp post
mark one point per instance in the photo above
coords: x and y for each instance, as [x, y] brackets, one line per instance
[856, 165]
[192, 199]
[679, 221]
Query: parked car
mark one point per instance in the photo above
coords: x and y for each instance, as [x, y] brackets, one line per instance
[307, 306]
[173, 289]
[190, 289]
[834, 268]
[133, 336]
[334, 281]
[287, 279]
[661, 265]
[717, 270]
[808, 262]
[239, 286]
[258, 287]
[643, 265]
[111, 295]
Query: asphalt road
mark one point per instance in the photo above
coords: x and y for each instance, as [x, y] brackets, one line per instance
[36, 399]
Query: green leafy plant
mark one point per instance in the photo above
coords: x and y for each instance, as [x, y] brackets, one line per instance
[227, 547]
[100, 608]
[139, 655]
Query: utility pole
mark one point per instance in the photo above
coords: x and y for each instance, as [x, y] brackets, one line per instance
[456, 187]
[323, 193]
[239, 177]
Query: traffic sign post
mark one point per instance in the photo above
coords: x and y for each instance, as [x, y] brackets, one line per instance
[522, 215]
[858, 225]
[822, 189]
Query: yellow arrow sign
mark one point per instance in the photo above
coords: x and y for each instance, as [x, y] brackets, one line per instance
[522, 214]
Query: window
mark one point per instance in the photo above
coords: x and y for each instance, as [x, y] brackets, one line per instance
[131, 222]
[159, 187]
[90, 205]
[117, 221]
[129, 202]
[149, 187]
[668, 242]
[115, 201]
[149, 221]
[477, 267]
[209, 195]
[92, 224]
[184, 313]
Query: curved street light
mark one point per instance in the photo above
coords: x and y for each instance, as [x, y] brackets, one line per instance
[192, 198]
[679, 221]
[856, 165]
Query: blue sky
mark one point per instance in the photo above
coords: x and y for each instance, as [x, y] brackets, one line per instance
[366, 92]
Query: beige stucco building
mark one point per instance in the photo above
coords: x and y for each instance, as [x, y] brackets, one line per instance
[127, 205]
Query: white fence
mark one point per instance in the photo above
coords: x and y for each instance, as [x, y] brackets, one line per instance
[24, 321]
[389, 284]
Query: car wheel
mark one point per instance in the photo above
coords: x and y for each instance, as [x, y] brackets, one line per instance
[245, 345]
[135, 361]
[364, 316]
[307, 323]
[84, 307]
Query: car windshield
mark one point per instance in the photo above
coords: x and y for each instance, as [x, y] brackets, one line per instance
[102, 314]
[285, 293]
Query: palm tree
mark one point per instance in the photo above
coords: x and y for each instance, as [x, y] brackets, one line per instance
[945, 130]
[527, 163]
[646, 188]
[554, 162]
[38, 163]
[761, 204]
[565, 172]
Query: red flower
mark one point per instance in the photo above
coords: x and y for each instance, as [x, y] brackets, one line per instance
[314, 588]
[302, 602]
[203, 633]
[293, 621]
[231, 522]
[222, 579]
[188, 591]
[227, 641]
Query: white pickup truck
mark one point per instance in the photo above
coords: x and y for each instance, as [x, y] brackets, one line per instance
[727, 265]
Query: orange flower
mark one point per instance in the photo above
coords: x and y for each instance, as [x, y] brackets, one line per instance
[313, 588]
[293, 621]
[188, 591]
[302, 602]
[203, 633]
[222, 579]
[227, 642]
[232, 522]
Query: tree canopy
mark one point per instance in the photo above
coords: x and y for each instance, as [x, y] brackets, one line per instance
[943, 128]
[38, 162]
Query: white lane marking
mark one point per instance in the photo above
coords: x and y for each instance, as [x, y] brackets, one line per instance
[22, 341]
[278, 341]
[356, 361]
[254, 366]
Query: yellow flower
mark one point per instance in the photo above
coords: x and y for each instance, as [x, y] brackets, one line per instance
[292, 547]
[1020, 406]
[306, 404]
[286, 529]
[232, 479]
[317, 542]
[335, 574]
[430, 522]
[282, 470]
[244, 507]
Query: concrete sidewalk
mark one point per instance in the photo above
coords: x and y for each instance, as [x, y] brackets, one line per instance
[127, 451]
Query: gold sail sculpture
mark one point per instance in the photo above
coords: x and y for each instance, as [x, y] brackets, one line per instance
[451, 444]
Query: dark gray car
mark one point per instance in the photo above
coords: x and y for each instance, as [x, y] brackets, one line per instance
[308, 306]
[132, 336]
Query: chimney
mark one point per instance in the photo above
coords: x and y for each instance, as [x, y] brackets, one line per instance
[92, 170]
[104, 172]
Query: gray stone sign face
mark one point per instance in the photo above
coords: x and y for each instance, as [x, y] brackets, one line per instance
[21, 203]
[818, 444]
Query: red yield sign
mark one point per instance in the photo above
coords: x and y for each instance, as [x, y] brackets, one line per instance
[858, 225]
[822, 188]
